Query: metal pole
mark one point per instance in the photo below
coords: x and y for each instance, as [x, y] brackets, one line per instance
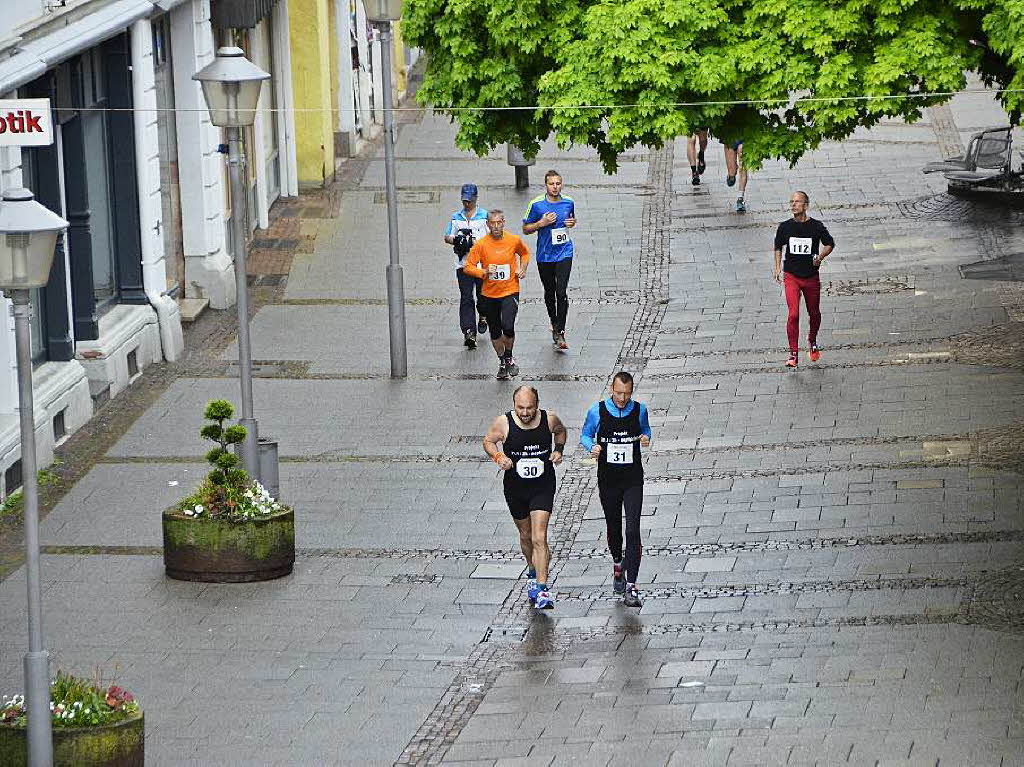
[236, 165]
[37, 660]
[522, 177]
[396, 287]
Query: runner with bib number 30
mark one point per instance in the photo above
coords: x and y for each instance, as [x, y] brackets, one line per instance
[532, 443]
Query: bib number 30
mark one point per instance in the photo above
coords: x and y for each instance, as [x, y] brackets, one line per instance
[501, 272]
[620, 454]
[529, 468]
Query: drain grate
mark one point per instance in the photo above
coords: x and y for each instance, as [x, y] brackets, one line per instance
[878, 286]
[505, 634]
[416, 578]
[410, 197]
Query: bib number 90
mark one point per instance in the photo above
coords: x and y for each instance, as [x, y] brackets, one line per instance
[530, 468]
[559, 236]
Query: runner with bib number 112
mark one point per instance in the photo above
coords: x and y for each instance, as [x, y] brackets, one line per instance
[532, 442]
[805, 243]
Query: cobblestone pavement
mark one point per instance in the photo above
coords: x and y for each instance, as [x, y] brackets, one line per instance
[833, 556]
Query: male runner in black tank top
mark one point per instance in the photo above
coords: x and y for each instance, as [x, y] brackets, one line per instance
[613, 432]
[532, 443]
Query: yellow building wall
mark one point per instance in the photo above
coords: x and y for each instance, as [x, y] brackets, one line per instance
[310, 39]
[398, 73]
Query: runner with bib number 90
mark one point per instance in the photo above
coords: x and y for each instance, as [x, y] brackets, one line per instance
[532, 443]
[613, 432]
[552, 216]
[805, 243]
[499, 260]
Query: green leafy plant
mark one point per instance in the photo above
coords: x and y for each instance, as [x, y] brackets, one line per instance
[75, 702]
[12, 504]
[227, 492]
[780, 76]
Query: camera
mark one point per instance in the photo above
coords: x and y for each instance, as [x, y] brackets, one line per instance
[462, 243]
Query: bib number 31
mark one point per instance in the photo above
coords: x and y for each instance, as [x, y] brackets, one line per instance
[620, 454]
[529, 468]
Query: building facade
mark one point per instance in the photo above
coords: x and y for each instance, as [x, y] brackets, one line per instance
[137, 172]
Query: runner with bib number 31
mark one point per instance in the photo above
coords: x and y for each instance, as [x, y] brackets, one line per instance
[532, 443]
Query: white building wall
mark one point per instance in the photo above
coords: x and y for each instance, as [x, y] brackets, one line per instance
[10, 177]
[209, 271]
[147, 168]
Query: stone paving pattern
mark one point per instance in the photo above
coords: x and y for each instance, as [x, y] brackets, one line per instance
[832, 556]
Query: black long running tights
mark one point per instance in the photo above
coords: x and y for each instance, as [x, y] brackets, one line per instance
[618, 501]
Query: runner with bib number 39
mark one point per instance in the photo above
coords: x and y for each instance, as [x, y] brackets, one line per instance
[551, 216]
[500, 260]
[532, 443]
[805, 243]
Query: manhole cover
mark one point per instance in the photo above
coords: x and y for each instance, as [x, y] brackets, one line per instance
[868, 287]
[998, 600]
[946, 207]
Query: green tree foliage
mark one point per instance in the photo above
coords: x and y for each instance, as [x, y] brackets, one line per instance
[798, 61]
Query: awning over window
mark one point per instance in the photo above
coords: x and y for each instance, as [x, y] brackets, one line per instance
[36, 56]
[228, 14]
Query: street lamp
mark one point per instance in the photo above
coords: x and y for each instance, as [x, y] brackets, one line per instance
[232, 84]
[381, 13]
[28, 237]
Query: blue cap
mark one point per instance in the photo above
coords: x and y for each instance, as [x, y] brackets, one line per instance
[469, 192]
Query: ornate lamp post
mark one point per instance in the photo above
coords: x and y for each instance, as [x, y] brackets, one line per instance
[232, 84]
[381, 13]
[28, 236]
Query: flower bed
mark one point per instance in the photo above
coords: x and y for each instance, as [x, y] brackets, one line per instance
[93, 725]
[230, 529]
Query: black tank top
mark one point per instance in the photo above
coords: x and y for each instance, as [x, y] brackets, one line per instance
[619, 438]
[530, 451]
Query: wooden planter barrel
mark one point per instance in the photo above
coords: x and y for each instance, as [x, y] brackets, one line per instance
[104, 745]
[218, 551]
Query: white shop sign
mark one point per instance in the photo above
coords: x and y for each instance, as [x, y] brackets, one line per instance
[25, 122]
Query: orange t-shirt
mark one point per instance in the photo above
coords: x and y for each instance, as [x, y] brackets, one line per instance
[501, 254]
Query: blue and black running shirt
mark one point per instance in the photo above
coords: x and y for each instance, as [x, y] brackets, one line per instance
[554, 243]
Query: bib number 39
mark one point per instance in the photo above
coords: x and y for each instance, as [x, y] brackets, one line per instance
[529, 468]
[620, 454]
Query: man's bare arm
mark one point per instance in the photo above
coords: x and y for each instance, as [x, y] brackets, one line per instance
[497, 432]
[558, 432]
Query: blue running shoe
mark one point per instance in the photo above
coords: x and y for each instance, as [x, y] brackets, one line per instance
[618, 579]
[544, 601]
[532, 591]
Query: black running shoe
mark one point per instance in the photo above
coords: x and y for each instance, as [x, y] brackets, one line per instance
[470, 341]
[618, 580]
[502, 371]
[730, 180]
[511, 366]
[632, 597]
[701, 167]
[481, 326]
[696, 179]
